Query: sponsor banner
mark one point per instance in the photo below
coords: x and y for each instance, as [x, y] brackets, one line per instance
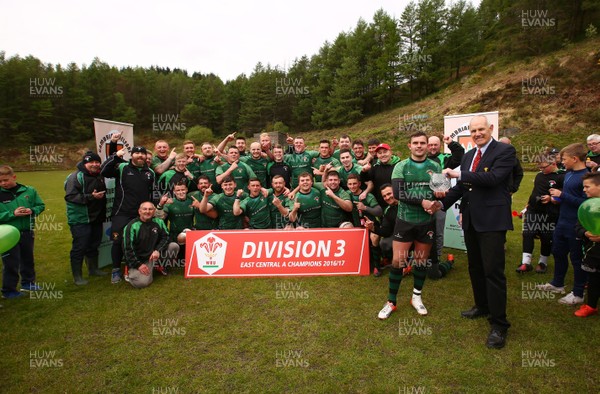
[104, 129]
[238, 253]
[457, 127]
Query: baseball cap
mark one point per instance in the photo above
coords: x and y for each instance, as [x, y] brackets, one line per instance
[383, 146]
[139, 149]
[90, 156]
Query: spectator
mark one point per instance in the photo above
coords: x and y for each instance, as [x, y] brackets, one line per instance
[541, 215]
[86, 212]
[564, 242]
[593, 156]
[19, 206]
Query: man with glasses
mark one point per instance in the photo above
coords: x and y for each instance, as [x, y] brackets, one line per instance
[593, 156]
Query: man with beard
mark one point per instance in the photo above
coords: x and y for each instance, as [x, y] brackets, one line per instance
[279, 203]
[209, 162]
[134, 185]
[86, 211]
[323, 159]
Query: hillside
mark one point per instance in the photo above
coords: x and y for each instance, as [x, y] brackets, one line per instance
[549, 100]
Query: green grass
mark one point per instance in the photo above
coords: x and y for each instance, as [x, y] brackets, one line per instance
[233, 335]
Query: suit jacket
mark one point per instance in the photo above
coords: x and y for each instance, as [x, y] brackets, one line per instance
[486, 201]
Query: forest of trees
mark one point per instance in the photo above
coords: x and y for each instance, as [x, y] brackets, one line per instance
[374, 67]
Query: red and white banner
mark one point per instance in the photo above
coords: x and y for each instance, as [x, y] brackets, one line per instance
[238, 253]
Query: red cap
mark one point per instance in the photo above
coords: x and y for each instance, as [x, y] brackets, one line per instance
[383, 146]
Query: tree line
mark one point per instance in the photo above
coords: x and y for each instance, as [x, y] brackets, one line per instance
[375, 66]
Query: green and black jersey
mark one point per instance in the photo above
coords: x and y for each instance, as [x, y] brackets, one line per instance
[223, 204]
[300, 162]
[309, 213]
[179, 215]
[277, 220]
[319, 161]
[332, 215]
[257, 210]
[259, 166]
[140, 239]
[201, 221]
[410, 182]
[241, 174]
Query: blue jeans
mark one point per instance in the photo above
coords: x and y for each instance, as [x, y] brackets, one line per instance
[564, 245]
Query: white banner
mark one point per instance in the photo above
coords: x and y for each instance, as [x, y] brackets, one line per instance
[104, 130]
[457, 127]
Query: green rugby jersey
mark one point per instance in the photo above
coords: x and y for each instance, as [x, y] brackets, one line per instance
[224, 206]
[332, 215]
[241, 174]
[415, 177]
[300, 162]
[259, 166]
[355, 169]
[319, 161]
[179, 215]
[257, 210]
[208, 167]
[309, 214]
[277, 220]
[369, 201]
[201, 221]
[194, 168]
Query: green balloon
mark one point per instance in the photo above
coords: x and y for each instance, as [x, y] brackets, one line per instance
[9, 237]
[589, 215]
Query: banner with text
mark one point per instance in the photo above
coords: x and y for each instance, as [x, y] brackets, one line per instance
[233, 253]
[457, 127]
[104, 129]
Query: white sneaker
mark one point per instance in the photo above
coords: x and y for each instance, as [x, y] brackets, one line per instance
[417, 303]
[550, 287]
[387, 310]
[570, 299]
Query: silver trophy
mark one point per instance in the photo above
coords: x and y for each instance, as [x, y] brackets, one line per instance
[439, 183]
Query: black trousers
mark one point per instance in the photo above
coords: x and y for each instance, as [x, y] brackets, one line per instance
[18, 261]
[485, 253]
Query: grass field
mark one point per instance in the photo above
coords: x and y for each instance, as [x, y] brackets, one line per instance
[240, 335]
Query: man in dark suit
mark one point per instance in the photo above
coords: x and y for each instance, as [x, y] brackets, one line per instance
[483, 185]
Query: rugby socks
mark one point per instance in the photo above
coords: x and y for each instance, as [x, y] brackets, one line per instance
[419, 274]
[395, 279]
[527, 258]
[543, 260]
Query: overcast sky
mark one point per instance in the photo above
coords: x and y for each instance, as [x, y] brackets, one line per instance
[224, 37]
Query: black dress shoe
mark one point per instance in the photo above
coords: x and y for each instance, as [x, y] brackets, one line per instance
[496, 339]
[474, 313]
